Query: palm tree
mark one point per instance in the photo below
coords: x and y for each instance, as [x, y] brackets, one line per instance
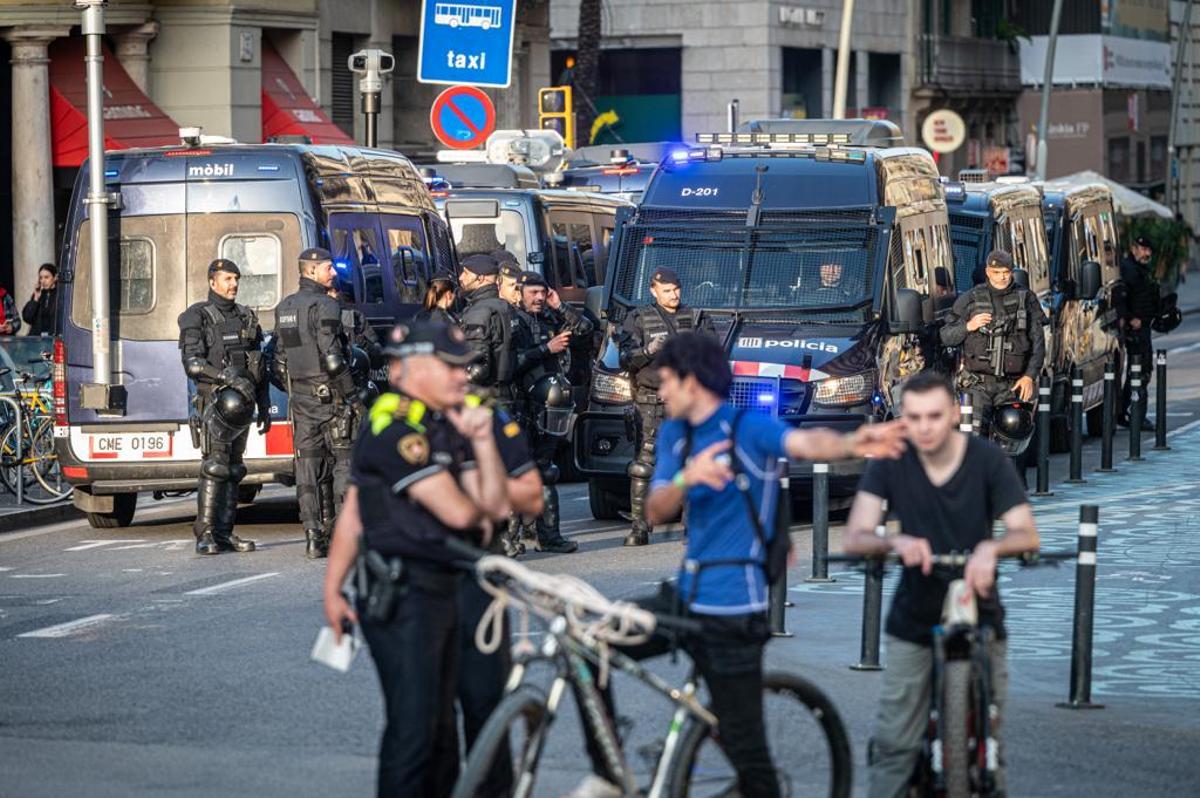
[587, 68]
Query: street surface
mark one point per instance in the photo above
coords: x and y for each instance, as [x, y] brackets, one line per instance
[132, 667]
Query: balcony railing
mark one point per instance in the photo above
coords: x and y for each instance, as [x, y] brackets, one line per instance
[968, 64]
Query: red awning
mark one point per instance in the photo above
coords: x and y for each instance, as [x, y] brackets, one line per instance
[130, 118]
[287, 110]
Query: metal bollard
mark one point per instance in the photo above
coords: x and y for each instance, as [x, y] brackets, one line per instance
[868, 653]
[820, 524]
[1043, 436]
[1085, 602]
[777, 591]
[967, 411]
[1076, 470]
[1135, 408]
[1160, 401]
[1110, 410]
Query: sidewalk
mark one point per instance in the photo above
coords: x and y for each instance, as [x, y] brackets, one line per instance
[14, 518]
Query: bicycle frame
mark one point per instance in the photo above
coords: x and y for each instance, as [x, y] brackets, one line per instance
[571, 657]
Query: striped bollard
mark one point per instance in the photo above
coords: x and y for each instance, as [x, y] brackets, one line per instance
[820, 524]
[1110, 410]
[777, 590]
[1043, 438]
[1076, 469]
[868, 653]
[1085, 603]
[1160, 401]
[1136, 400]
[967, 411]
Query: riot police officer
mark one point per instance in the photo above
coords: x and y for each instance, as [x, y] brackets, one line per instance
[366, 355]
[412, 489]
[220, 342]
[541, 337]
[643, 333]
[1137, 308]
[487, 323]
[999, 326]
[313, 358]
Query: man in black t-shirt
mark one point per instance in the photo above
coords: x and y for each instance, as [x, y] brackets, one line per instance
[946, 491]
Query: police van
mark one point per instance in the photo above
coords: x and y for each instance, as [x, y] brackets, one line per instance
[179, 208]
[619, 172]
[815, 261]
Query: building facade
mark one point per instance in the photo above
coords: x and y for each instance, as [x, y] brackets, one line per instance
[249, 69]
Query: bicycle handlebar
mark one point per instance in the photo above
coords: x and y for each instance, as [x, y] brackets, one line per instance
[958, 559]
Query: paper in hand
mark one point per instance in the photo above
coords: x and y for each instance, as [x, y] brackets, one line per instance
[328, 651]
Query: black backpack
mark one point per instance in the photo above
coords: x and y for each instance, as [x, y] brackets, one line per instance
[779, 547]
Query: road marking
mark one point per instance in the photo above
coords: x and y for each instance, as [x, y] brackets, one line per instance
[204, 591]
[95, 544]
[140, 545]
[35, 576]
[65, 629]
[1188, 348]
[1184, 428]
[5, 569]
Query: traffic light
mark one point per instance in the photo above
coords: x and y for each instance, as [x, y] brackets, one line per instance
[555, 112]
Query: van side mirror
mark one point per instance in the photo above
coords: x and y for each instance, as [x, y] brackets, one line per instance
[593, 301]
[1021, 278]
[1090, 280]
[907, 312]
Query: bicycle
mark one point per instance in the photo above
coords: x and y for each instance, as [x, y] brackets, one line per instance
[581, 624]
[38, 463]
[959, 756]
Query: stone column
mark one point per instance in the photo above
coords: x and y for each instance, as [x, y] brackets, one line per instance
[134, 54]
[32, 174]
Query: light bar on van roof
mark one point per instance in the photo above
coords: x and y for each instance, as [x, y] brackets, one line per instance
[773, 138]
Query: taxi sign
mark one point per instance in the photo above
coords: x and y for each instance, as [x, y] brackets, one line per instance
[462, 117]
[466, 42]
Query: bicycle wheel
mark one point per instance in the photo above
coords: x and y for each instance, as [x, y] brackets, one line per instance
[514, 732]
[809, 746]
[10, 468]
[46, 467]
[954, 727]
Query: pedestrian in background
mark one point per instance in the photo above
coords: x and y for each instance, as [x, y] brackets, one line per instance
[1137, 306]
[38, 312]
[10, 322]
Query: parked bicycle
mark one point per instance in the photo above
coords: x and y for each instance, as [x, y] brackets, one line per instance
[27, 449]
[960, 754]
[809, 744]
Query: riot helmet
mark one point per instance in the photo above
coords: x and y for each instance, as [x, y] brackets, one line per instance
[1168, 320]
[233, 407]
[555, 408]
[1012, 426]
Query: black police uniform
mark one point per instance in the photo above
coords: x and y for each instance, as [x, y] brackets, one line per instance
[410, 622]
[220, 342]
[532, 363]
[995, 356]
[642, 335]
[487, 322]
[313, 354]
[482, 676]
[1137, 299]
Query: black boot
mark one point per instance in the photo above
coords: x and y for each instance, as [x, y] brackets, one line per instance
[207, 496]
[639, 535]
[548, 536]
[316, 545]
[226, 516]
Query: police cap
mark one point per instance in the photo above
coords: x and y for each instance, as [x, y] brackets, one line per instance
[665, 276]
[503, 256]
[315, 255]
[510, 271]
[999, 259]
[1142, 241]
[480, 265]
[531, 279]
[444, 341]
[442, 277]
[223, 265]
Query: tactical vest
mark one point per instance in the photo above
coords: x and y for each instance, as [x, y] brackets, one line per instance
[491, 312]
[657, 323]
[297, 333]
[232, 340]
[1000, 348]
[529, 331]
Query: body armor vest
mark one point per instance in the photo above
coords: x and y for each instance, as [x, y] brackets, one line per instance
[296, 321]
[232, 339]
[483, 305]
[528, 332]
[1002, 347]
[657, 323]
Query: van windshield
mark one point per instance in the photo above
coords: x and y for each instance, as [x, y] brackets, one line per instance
[474, 235]
[779, 264]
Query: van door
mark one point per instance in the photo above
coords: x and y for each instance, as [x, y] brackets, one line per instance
[571, 268]
[358, 261]
[410, 260]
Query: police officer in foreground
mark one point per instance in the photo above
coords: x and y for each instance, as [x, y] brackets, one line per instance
[643, 333]
[220, 342]
[313, 358]
[425, 469]
[1137, 308]
[998, 324]
[487, 323]
[541, 337]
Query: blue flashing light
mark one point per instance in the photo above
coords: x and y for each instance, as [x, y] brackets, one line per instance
[766, 398]
[111, 172]
[341, 265]
[269, 168]
[679, 156]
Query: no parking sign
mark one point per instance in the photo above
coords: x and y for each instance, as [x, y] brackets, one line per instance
[462, 117]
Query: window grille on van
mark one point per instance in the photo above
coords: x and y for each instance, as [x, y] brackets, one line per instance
[805, 263]
[967, 220]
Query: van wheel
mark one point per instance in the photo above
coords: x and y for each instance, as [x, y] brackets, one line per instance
[606, 500]
[248, 493]
[124, 505]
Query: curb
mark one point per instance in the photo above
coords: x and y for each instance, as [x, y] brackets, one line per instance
[26, 517]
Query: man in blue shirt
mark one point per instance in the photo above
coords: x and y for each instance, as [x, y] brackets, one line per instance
[729, 598]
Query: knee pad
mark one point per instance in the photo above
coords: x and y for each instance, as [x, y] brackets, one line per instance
[639, 470]
[237, 472]
[550, 474]
[216, 470]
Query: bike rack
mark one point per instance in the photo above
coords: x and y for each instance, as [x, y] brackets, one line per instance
[16, 406]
